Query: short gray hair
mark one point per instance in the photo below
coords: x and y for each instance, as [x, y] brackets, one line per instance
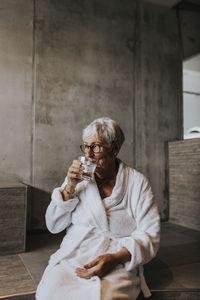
[106, 128]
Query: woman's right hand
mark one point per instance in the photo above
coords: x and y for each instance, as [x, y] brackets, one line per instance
[74, 173]
[73, 177]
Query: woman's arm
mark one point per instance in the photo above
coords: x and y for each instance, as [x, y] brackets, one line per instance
[143, 243]
[104, 264]
[67, 192]
[122, 256]
[58, 214]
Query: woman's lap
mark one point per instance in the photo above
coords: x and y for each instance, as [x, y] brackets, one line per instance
[61, 283]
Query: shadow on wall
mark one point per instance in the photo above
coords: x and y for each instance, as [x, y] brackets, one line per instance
[37, 203]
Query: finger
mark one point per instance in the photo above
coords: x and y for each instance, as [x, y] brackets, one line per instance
[92, 263]
[78, 166]
[76, 169]
[74, 176]
[83, 273]
[76, 163]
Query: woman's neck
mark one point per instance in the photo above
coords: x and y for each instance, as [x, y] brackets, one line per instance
[109, 173]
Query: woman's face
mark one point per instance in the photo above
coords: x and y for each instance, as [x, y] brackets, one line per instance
[105, 157]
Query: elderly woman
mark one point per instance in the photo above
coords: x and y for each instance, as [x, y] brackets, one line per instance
[112, 225]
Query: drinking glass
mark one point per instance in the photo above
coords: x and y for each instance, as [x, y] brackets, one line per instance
[89, 168]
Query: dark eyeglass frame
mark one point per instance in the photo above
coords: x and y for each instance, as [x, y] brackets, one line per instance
[85, 148]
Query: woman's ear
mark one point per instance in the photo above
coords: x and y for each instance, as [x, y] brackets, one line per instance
[116, 149]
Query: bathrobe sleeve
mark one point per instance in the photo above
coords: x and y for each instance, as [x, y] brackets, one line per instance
[144, 241]
[58, 214]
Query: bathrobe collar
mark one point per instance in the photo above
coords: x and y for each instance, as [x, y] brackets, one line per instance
[95, 203]
[120, 187]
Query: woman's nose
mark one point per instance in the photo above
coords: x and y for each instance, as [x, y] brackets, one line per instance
[89, 153]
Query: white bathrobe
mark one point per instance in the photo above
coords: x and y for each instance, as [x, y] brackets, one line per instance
[128, 218]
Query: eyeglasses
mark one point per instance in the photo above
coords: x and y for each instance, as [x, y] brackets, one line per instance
[95, 148]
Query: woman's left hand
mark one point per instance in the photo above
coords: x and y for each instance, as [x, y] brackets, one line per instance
[100, 266]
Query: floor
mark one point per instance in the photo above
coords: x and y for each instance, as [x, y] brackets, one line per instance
[14, 277]
[173, 274]
[177, 265]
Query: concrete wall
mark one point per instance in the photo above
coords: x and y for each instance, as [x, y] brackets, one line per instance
[68, 62]
[63, 64]
[83, 71]
[158, 96]
[16, 27]
[189, 29]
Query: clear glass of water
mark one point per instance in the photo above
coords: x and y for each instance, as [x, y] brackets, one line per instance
[89, 168]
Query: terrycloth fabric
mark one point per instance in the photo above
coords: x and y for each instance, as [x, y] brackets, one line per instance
[128, 218]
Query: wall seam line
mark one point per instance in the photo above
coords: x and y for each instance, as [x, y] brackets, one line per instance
[136, 69]
[33, 99]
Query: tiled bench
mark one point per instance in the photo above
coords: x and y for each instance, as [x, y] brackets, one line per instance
[13, 202]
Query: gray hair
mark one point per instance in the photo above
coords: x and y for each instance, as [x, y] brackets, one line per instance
[106, 128]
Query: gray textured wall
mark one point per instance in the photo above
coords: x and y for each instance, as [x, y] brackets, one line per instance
[63, 64]
[158, 96]
[189, 30]
[84, 70]
[68, 62]
[15, 89]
